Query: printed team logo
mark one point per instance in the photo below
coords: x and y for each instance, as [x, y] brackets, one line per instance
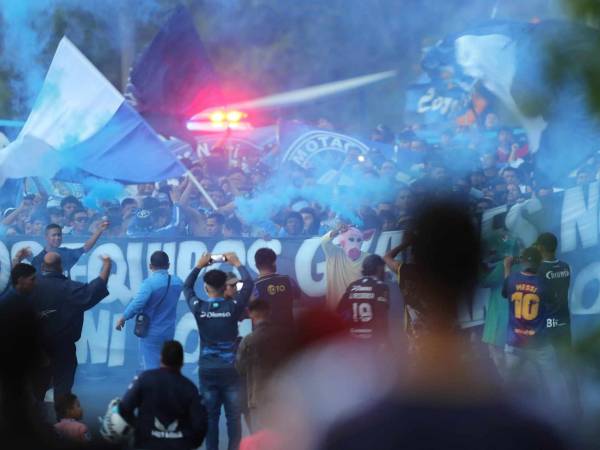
[314, 142]
[46, 313]
[166, 432]
[560, 274]
[214, 315]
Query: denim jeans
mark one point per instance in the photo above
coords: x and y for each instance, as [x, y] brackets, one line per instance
[149, 351]
[544, 374]
[217, 392]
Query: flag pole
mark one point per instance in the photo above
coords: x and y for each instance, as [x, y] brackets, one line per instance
[191, 176]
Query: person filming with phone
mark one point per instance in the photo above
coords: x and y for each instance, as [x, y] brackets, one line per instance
[217, 315]
[154, 308]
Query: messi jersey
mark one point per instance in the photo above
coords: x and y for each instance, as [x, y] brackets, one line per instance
[364, 307]
[279, 291]
[527, 303]
[556, 276]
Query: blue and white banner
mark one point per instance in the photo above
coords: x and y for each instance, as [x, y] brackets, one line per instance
[572, 215]
[435, 106]
[100, 343]
[80, 122]
[303, 145]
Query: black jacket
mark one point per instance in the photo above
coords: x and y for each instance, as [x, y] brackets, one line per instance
[170, 414]
[61, 302]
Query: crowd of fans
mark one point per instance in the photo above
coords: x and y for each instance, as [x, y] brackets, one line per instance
[486, 164]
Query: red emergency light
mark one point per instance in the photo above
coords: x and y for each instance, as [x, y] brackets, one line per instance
[219, 120]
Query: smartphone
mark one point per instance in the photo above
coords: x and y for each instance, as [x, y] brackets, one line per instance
[217, 258]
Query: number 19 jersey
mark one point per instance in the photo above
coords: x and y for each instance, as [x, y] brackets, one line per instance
[527, 310]
[364, 307]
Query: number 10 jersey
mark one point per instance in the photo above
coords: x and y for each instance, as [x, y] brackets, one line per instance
[528, 306]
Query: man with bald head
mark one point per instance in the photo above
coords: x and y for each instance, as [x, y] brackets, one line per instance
[61, 302]
[52, 262]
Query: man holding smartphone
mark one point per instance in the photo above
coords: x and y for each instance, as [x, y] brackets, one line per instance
[217, 319]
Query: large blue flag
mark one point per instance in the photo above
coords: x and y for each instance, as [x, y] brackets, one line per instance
[549, 97]
[81, 122]
[173, 78]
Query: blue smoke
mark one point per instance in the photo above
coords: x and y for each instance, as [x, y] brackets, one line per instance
[99, 191]
[341, 198]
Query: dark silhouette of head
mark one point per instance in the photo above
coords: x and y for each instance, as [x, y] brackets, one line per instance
[214, 281]
[447, 253]
[171, 355]
[547, 243]
[159, 260]
[265, 259]
[258, 310]
[374, 265]
[22, 277]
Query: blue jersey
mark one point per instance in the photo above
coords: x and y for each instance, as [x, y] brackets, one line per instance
[527, 309]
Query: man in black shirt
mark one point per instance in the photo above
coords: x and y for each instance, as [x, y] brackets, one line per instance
[280, 291]
[61, 302]
[556, 276]
[217, 320]
[170, 414]
[365, 304]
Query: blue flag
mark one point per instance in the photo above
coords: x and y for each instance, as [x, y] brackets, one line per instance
[81, 123]
[549, 97]
[173, 76]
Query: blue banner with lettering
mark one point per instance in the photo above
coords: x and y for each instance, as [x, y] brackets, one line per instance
[101, 344]
[573, 216]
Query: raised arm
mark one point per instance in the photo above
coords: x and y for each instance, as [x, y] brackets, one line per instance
[390, 257]
[326, 240]
[106, 266]
[22, 254]
[25, 206]
[243, 296]
[42, 200]
[89, 244]
[188, 285]
[86, 296]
